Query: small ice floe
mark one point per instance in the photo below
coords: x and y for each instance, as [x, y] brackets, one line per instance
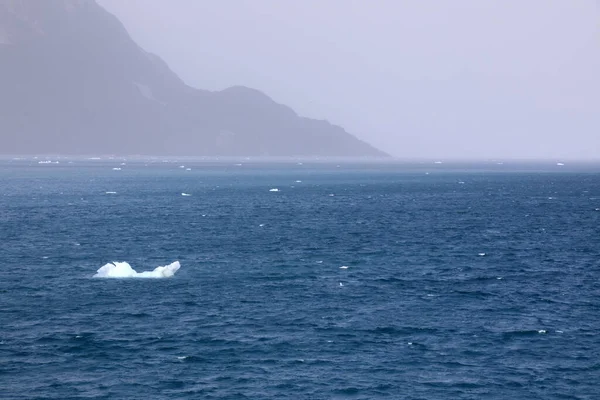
[182, 166]
[110, 192]
[597, 209]
[542, 331]
[185, 194]
[116, 169]
[123, 163]
[320, 262]
[426, 173]
[331, 194]
[274, 190]
[238, 165]
[341, 284]
[188, 169]
[437, 162]
[261, 225]
[124, 270]
[559, 332]
[298, 181]
[461, 182]
[182, 357]
[481, 254]
[45, 162]
[344, 267]
[560, 164]
[499, 278]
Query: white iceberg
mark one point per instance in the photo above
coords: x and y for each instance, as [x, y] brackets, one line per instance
[124, 270]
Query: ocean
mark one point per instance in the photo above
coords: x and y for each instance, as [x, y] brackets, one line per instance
[299, 279]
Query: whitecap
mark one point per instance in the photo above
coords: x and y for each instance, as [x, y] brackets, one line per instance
[298, 181]
[481, 254]
[185, 194]
[344, 267]
[116, 169]
[110, 192]
[542, 331]
[274, 190]
[124, 270]
[559, 164]
[341, 284]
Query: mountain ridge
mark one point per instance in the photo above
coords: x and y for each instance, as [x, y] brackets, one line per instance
[74, 82]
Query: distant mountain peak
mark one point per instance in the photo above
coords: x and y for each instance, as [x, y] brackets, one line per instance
[74, 82]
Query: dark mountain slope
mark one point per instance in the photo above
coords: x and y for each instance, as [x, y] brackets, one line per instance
[72, 81]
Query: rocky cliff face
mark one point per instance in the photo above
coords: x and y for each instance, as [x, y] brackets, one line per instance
[72, 81]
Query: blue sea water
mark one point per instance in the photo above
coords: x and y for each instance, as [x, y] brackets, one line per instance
[462, 281]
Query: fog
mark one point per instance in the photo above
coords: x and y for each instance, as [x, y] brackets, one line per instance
[427, 79]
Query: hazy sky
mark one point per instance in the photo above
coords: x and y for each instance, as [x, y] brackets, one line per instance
[429, 78]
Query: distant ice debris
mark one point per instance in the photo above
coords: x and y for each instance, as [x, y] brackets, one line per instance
[111, 192]
[298, 181]
[481, 254]
[188, 169]
[437, 162]
[124, 270]
[116, 169]
[185, 194]
[559, 164]
[344, 267]
[341, 284]
[542, 331]
[274, 190]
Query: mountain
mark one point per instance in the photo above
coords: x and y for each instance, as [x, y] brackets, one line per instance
[72, 81]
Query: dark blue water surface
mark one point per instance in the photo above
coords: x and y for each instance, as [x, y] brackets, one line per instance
[461, 282]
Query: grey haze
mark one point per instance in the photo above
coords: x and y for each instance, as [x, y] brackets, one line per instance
[433, 79]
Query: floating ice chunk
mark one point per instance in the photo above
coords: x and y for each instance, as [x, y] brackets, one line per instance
[185, 194]
[559, 164]
[331, 194]
[182, 357]
[182, 166]
[116, 169]
[124, 270]
[481, 254]
[437, 162]
[110, 192]
[344, 267]
[274, 190]
[542, 331]
[298, 181]
[188, 169]
[341, 284]
[261, 225]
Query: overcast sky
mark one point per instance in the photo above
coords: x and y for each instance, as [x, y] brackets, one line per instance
[429, 78]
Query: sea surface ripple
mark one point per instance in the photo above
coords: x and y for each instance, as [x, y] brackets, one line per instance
[460, 284]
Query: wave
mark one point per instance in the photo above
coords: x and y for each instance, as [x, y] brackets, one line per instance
[124, 270]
